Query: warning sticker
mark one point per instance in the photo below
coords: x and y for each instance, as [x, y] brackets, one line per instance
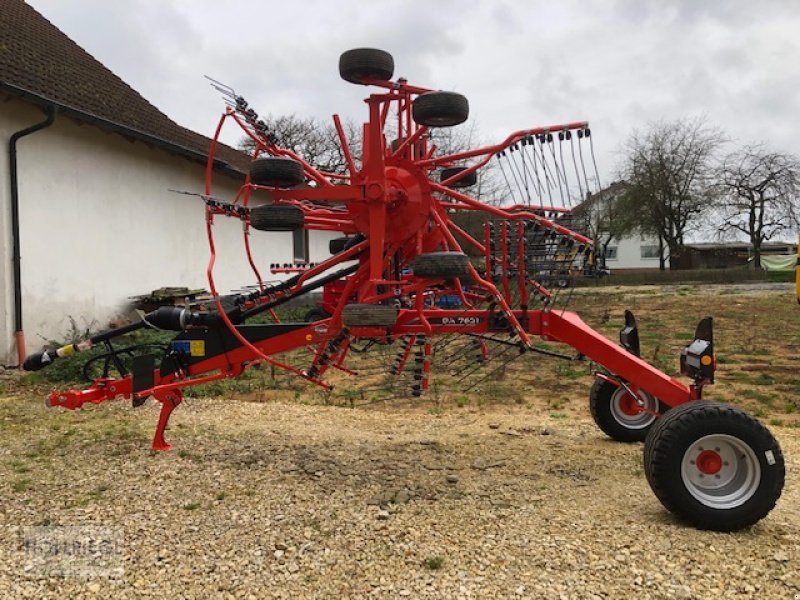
[197, 348]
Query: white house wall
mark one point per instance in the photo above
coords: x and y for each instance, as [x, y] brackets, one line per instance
[629, 254]
[98, 225]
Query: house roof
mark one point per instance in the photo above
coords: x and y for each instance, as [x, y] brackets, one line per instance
[42, 65]
[711, 246]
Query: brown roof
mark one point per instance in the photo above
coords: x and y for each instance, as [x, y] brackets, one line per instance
[41, 64]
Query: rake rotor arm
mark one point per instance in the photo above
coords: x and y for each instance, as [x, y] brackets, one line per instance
[495, 148]
[504, 214]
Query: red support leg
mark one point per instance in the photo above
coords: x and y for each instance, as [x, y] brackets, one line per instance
[169, 402]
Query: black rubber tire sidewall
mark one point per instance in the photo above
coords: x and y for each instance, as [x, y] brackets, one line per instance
[359, 64]
[448, 265]
[440, 109]
[276, 171]
[600, 408]
[369, 315]
[276, 217]
[468, 180]
[337, 245]
[681, 427]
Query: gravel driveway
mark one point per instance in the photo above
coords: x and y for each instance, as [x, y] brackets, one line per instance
[287, 501]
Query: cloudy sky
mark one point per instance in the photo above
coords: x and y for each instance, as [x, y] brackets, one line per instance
[619, 64]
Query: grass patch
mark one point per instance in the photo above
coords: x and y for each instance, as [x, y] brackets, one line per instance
[433, 563]
[22, 485]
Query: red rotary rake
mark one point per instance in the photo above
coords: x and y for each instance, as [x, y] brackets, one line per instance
[406, 247]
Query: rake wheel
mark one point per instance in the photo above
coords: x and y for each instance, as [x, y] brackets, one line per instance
[440, 109]
[275, 171]
[369, 315]
[441, 264]
[360, 64]
[464, 181]
[276, 217]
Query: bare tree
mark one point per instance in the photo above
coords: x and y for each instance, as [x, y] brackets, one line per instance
[760, 195]
[318, 143]
[601, 218]
[670, 172]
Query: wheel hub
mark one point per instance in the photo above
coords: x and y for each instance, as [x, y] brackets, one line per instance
[633, 413]
[628, 405]
[721, 471]
[709, 462]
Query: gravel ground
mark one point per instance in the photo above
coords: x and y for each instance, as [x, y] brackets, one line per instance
[287, 501]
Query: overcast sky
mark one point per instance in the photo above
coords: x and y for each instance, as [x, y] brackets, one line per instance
[619, 64]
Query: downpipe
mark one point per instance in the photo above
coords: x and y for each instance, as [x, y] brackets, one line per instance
[19, 333]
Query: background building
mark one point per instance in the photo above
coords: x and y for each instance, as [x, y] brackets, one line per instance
[90, 189]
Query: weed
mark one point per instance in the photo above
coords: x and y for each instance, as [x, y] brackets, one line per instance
[22, 485]
[220, 496]
[776, 422]
[20, 467]
[433, 563]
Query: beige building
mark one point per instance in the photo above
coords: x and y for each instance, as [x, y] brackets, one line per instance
[86, 214]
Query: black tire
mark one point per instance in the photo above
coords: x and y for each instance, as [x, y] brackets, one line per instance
[714, 466]
[467, 180]
[316, 314]
[369, 315]
[441, 264]
[610, 408]
[440, 109]
[276, 171]
[276, 217]
[337, 245]
[366, 63]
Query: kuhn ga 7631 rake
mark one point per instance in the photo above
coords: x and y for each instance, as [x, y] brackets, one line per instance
[405, 245]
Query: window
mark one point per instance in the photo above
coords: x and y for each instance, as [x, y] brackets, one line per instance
[611, 253]
[300, 246]
[649, 251]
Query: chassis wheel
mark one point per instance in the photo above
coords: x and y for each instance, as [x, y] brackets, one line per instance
[366, 63]
[276, 171]
[440, 109]
[276, 217]
[618, 415]
[466, 181]
[441, 264]
[714, 466]
[369, 315]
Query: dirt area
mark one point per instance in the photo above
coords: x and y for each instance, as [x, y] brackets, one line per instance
[509, 491]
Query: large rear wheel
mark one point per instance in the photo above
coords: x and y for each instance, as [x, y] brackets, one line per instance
[714, 466]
